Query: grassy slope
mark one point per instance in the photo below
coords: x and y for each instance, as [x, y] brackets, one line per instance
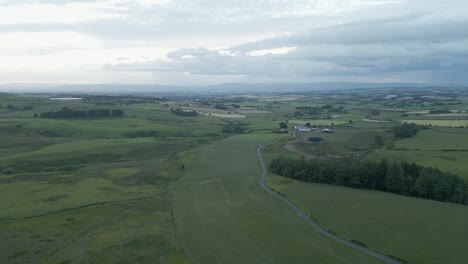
[223, 216]
[453, 162]
[426, 148]
[79, 198]
[436, 139]
[104, 213]
[419, 231]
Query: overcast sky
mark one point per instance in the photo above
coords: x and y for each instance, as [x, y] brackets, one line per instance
[198, 42]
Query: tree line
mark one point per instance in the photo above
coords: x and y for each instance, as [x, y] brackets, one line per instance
[89, 113]
[398, 177]
[182, 112]
[234, 127]
[407, 130]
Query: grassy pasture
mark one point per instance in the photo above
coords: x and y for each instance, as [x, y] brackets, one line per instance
[416, 230]
[443, 148]
[345, 140]
[453, 162]
[26, 199]
[94, 190]
[138, 231]
[436, 139]
[318, 122]
[110, 127]
[71, 156]
[103, 212]
[150, 188]
[392, 224]
[223, 216]
[441, 123]
[122, 172]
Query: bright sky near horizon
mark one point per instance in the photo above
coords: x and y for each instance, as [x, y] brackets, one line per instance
[197, 42]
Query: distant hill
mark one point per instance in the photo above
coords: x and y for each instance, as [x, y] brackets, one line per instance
[216, 89]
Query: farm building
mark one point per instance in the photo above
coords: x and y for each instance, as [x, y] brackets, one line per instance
[326, 130]
[303, 128]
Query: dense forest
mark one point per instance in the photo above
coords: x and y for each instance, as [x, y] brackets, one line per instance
[91, 113]
[399, 177]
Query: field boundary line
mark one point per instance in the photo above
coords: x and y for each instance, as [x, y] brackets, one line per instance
[76, 208]
[90, 230]
[309, 220]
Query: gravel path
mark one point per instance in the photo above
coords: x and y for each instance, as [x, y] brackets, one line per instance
[311, 222]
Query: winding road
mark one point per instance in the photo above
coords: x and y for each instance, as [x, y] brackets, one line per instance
[311, 222]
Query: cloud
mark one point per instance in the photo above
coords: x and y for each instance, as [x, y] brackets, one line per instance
[208, 41]
[43, 43]
[398, 47]
[69, 13]
[263, 52]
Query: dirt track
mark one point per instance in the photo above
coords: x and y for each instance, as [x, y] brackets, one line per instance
[311, 222]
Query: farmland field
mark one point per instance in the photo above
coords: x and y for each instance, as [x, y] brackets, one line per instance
[347, 140]
[441, 123]
[90, 191]
[319, 122]
[233, 132]
[443, 148]
[446, 161]
[385, 222]
[216, 208]
[157, 186]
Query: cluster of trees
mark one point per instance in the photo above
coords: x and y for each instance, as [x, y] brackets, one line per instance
[399, 177]
[225, 107]
[379, 141]
[89, 113]
[14, 108]
[283, 125]
[374, 112]
[183, 112]
[440, 111]
[221, 106]
[407, 130]
[234, 127]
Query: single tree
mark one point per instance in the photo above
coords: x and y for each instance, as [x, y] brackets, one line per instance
[283, 125]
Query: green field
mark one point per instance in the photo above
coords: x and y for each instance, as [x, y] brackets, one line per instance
[443, 148]
[440, 123]
[415, 230]
[91, 191]
[108, 208]
[436, 139]
[350, 140]
[392, 224]
[155, 187]
[318, 122]
[223, 216]
[453, 162]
